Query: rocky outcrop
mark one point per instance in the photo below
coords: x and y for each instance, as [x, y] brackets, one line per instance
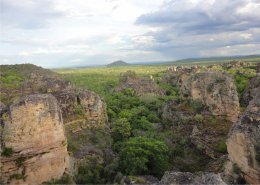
[252, 90]
[34, 147]
[243, 144]
[139, 85]
[82, 105]
[200, 142]
[215, 90]
[176, 178]
[236, 64]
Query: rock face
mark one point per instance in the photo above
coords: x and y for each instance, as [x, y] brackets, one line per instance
[176, 178]
[34, 147]
[140, 85]
[215, 90]
[199, 142]
[252, 90]
[82, 104]
[243, 144]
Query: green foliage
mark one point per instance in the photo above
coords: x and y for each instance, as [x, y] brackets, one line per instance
[221, 146]
[241, 81]
[142, 155]
[121, 129]
[198, 118]
[196, 105]
[129, 92]
[65, 179]
[7, 152]
[92, 171]
[210, 87]
[170, 90]
[19, 161]
[236, 169]
[79, 110]
[125, 114]
[17, 176]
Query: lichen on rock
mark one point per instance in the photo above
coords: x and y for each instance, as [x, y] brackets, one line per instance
[34, 132]
[243, 144]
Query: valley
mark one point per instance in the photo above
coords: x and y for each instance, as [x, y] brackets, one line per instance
[134, 124]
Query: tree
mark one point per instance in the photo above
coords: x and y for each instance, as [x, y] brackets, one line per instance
[121, 129]
[142, 155]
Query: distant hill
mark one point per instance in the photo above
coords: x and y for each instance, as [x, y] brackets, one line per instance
[118, 64]
[212, 60]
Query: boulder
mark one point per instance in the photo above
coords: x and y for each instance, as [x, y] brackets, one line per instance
[34, 147]
[243, 144]
[215, 90]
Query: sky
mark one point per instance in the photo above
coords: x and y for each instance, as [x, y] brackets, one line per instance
[65, 33]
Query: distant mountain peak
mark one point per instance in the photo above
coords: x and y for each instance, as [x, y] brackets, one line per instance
[118, 63]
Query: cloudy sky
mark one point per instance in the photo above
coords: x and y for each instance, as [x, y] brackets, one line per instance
[63, 33]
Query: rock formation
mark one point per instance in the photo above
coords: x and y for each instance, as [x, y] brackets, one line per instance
[215, 90]
[77, 104]
[201, 143]
[176, 178]
[243, 144]
[140, 85]
[252, 90]
[34, 147]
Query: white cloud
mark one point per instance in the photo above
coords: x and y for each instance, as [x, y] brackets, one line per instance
[51, 33]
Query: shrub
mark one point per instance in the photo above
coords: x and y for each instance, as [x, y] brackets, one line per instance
[236, 169]
[199, 118]
[210, 87]
[196, 105]
[65, 179]
[221, 146]
[125, 114]
[19, 162]
[142, 155]
[90, 172]
[17, 176]
[121, 129]
[129, 92]
[7, 152]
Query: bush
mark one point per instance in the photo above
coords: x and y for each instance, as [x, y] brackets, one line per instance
[142, 155]
[221, 146]
[196, 105]
[7, 152]
[65, 179]
[121, 129]
[90, 172]
[199, 118]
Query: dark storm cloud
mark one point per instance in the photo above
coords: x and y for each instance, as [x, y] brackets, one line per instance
[203, 17]
[185, 28]
[27, 14]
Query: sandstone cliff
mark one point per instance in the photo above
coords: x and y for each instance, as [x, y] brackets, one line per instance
[34, 147]
[243, 144]
[215, 90]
